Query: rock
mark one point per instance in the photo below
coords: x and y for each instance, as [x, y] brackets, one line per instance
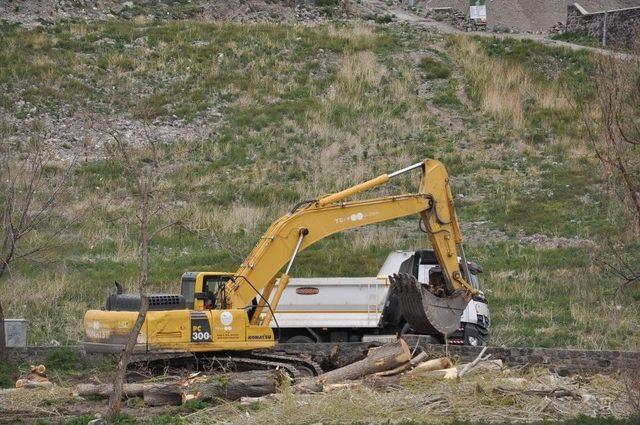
[501, 29]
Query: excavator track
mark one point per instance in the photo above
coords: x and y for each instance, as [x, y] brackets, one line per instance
[304, 365]
[234, 362]
[295, 367]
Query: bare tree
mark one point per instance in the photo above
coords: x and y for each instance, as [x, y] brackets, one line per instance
[142, 178]
[32, 188]
[613, 124]
[612, 120]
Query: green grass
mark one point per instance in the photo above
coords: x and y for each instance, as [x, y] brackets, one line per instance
[584, 39]
[64, 360]
[310, 110]
[434, 69]
[6, 378]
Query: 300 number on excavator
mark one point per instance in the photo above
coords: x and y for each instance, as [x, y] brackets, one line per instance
[218, 311]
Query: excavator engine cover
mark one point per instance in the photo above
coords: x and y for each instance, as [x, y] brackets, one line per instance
[424, 311]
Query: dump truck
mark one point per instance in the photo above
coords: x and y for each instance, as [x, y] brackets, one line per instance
[355, 309]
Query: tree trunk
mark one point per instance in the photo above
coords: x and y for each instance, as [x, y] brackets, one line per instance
[404, 367]
[106, 390]
[386, 357]
[429, 365]
[234, 386]
[166, 395]
[116, 396]
[230, 386]
[3, 337]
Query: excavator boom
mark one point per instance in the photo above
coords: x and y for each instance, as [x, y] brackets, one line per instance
[317, 219]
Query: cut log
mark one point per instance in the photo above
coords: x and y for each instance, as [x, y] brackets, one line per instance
[105, 390]
[409, 365]
[167, 395]
[449, 373]
[28, 383]
[234, 386]
[231, 386]
[386, 357]
[430, 365]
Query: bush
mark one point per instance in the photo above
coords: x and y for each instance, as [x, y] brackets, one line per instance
[6, 372]
[64, 360]
[433, 69]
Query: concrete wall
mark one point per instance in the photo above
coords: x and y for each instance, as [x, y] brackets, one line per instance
[622, 25]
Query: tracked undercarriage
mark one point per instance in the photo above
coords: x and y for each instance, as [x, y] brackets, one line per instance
[295, 366]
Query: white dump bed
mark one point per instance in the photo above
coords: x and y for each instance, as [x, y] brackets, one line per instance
[335, 302]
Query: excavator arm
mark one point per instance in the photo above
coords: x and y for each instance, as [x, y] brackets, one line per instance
[314, 220]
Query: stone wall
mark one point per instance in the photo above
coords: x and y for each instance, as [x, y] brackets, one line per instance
[562, 361]
[622, 25]
[331, 355]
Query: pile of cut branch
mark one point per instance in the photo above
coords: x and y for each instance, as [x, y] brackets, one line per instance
[384, 366]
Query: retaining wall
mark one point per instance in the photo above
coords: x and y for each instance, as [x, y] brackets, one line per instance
[622, 25]
[331, 355]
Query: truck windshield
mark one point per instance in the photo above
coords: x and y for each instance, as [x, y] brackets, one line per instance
[475, 282]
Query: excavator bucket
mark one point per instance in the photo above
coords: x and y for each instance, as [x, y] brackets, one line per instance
[424, 311]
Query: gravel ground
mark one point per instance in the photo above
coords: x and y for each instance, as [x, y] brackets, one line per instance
[36, 12]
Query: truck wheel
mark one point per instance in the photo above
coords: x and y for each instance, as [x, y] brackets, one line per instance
[474, 335]
[300, 339]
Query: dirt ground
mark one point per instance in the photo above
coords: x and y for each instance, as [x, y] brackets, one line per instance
[33, 13]
[523, 16]
[512, 394]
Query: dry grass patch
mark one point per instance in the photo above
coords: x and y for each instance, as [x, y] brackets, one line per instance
[503, 89]
[428, 400]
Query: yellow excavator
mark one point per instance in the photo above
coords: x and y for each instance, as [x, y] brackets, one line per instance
[218, 311]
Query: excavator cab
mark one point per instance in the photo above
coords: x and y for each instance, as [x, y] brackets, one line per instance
[204, 290]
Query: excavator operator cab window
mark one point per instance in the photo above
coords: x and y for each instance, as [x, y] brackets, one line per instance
[213, 287]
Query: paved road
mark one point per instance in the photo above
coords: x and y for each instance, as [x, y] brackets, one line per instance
[404, 15]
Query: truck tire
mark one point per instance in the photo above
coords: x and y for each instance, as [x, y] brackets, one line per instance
[475, 335]
[300, 339]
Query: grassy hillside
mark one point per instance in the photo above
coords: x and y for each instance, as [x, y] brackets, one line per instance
[258, 116]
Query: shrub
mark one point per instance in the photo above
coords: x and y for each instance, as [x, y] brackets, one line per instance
[433, 69]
